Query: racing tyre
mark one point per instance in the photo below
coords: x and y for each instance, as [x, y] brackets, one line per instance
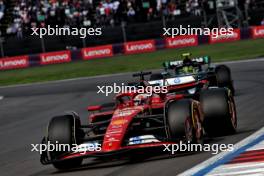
[64, 130]
[180, 117]
[223, 77]
[219, 111]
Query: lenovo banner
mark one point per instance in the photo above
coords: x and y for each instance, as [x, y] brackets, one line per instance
[139, 46]
[97, 52]
[182, 41]
[14, 62]
[225, 38]
[257, 32]
[55, 57]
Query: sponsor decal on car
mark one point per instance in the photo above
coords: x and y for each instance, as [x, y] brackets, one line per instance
[177, 80]
[257, 32]
[174, 81]
[112, 139]
[55, 57]
[181, 41]
[225, 38]
[124, 112]
[139, 46]
[97, 52]
[180, 80]
[135, 140]
[14, 62]
[119, 122]
[142, 139]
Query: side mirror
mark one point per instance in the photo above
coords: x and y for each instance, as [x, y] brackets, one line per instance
[94, 108]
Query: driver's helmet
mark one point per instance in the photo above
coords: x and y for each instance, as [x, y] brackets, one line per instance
[140, 99]
[187, 59]
[187, 64]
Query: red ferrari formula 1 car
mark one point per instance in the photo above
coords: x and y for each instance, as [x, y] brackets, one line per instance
[137, 121]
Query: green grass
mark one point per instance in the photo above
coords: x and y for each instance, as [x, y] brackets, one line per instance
[219, 52]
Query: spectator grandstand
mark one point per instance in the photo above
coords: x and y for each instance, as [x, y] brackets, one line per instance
[25, 14]
[120, 20]
[77, 13]
[2, 9]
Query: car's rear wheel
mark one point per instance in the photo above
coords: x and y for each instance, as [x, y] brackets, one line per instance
[183, 120]
[219, 111]
[64, 130]
[223, 77]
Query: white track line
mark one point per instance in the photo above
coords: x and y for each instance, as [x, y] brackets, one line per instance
[215, 158]
[118, 74]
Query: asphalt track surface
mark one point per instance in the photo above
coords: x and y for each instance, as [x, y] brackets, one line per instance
[26, 110]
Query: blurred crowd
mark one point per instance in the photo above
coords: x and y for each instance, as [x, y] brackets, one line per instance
[2, 9]
[254, 4]
[84, 13]
[93, 13]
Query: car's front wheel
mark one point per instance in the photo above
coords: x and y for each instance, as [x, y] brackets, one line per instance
[64, 130]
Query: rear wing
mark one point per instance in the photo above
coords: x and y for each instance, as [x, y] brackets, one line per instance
[205, 60]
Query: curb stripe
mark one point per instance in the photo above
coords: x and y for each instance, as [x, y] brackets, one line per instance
[225, 157]
[229, 157]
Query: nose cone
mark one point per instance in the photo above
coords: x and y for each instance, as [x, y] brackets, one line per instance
[115, 134]
[117, 129]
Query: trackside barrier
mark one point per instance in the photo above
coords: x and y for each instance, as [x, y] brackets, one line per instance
[142, 46]
[225, 38]
[181, 41]
[97, 52]
[55, 57]
[135, 47]
[10, 63]
[257, 32]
